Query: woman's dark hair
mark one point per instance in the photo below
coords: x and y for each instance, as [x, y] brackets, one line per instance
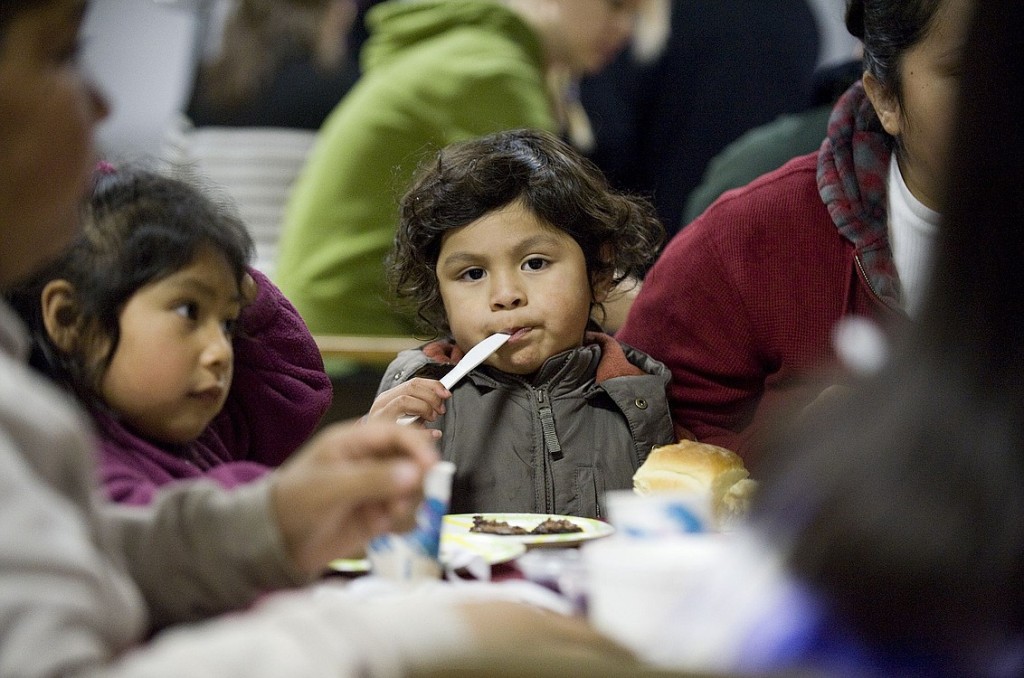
[620, 235]
[902, 504]
[887, 29]
[138, 227]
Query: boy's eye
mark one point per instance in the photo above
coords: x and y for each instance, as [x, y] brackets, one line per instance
[534, 264]
[472, 274]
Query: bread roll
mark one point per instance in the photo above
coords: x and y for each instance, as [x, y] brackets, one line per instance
[692, 467]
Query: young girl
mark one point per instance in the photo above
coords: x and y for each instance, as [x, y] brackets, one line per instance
[515, 232]
[143, 317]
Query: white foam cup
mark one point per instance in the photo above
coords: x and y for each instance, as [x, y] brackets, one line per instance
[634, 584]
[415, 554]
[659, 514]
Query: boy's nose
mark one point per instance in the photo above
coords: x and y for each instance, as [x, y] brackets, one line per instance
[505, 295]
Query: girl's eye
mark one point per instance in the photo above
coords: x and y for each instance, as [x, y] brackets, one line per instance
[230, 326]
[472, 274]
[534, 264]
[188, 310]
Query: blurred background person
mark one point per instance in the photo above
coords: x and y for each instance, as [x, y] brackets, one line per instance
[433, 73]
[277, 63]
[726, 66]
[270, 72]
[770, 146]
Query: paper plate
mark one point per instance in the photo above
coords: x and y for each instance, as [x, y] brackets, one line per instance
[460, 524]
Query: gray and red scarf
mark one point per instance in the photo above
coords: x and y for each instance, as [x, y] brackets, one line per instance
[853, 166]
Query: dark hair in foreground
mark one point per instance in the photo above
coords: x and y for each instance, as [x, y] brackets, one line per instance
[138, 227]
[12, 9]
[903, 505]
[620, 235]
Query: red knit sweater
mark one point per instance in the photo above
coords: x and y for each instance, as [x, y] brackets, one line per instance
[743, 301]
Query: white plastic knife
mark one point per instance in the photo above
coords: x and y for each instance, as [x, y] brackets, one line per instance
[476, 355]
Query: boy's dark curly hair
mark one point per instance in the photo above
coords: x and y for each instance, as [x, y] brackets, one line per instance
[619, 234]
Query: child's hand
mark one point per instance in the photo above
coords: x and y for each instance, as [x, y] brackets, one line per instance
[420, 397]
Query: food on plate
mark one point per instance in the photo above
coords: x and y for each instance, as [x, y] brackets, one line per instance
[556, 526]
[501, 527]
[689, 466]
[481, 524]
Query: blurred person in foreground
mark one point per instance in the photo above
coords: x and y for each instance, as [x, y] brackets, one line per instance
[90, 588]
[887, 537]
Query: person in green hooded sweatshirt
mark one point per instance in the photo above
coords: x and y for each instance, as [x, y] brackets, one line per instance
[434, 72]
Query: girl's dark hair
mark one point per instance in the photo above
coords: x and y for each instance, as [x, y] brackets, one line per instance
[620, 235]
[888, 28]
[138, 227]
[902, 504]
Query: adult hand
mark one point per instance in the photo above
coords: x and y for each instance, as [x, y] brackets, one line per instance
[348, 484]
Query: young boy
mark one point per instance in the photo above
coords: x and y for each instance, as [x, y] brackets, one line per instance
[515, 232]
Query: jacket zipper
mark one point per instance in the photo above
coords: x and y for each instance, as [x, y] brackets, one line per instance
[547, 426]
[867, 283]
[552, 450]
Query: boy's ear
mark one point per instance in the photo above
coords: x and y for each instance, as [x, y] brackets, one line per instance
[60, 312]
[602, 287]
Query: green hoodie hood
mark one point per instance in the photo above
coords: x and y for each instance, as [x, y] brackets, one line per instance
[401, 26]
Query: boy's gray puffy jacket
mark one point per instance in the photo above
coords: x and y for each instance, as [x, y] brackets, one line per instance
[553, 443]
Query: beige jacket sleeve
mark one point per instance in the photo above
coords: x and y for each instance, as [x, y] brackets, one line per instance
[199, 550]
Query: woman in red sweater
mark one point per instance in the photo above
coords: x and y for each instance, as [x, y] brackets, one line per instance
[744, 302]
